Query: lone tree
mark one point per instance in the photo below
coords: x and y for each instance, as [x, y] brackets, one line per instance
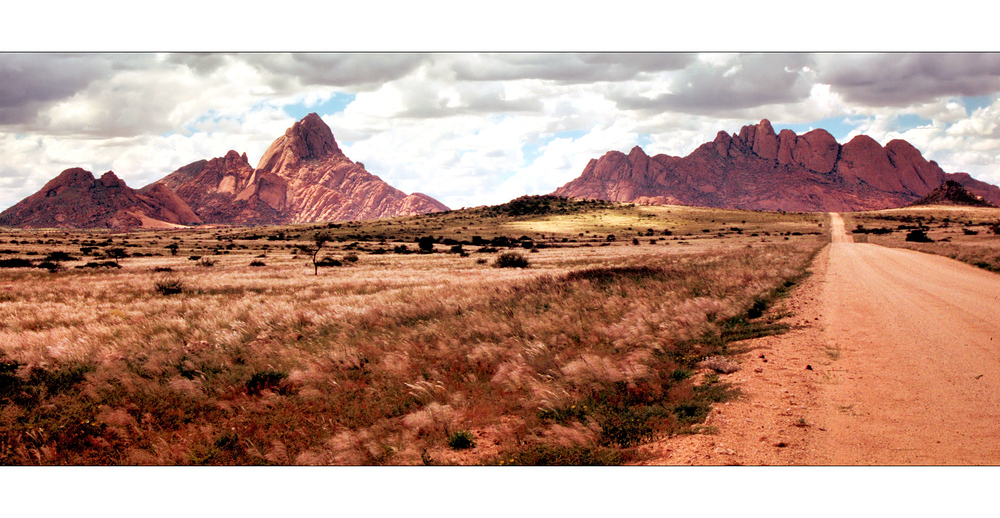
[116, 254]
[320, 239]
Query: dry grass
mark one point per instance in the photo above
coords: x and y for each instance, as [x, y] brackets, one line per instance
[385, 360]
[968, 234]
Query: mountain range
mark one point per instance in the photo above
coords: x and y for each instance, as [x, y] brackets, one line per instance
[303, 176]
[758, 169]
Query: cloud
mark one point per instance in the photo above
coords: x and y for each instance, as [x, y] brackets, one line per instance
[565, 68]
[31, 82]
[898, 80]
[721, 86]
[359, 70]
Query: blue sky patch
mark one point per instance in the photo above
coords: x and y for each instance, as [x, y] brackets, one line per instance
[910, 121]
[974, 103]
[335, 104]
[534, 150]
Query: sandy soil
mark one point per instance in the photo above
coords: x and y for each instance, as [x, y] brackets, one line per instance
[892, 360]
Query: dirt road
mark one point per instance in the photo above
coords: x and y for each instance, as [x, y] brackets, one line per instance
[917, 342]
[893, 359]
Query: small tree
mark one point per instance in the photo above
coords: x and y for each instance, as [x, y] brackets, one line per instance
[116, 254]
[173, 248]
[320, 239]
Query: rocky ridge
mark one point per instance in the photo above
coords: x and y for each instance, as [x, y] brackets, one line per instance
[758, 169]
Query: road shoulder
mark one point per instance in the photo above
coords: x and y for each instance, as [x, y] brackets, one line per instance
[772, 422]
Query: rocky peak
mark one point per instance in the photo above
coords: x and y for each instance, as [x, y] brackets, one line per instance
[72, 176]
[109, 179]
[307, 139]
[765, 141]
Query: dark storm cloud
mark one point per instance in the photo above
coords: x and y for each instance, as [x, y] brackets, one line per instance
[344, 70]
[566, 68]
[903, 79]
[748, 81]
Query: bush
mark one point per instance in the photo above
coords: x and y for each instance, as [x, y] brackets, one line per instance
[351, 258]
[206, 262]
[57, 257]
[169, 286]
[328, 261]
[257, 263]
[510, 260]
[16, 262]
[918, 236]
[461, 440]
[103, 264]
[48, 265]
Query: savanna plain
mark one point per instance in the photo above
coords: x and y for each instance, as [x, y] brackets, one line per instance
[541, 331]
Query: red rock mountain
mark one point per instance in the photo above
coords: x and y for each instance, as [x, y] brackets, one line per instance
[75, 199]
[758, 169]
[228, 190]
[302, 177]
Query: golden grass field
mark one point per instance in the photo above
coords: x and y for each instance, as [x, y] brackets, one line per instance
[395, 357]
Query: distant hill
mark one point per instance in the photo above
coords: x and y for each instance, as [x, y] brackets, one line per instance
[758, 169]
[75, 199]
[952, 193]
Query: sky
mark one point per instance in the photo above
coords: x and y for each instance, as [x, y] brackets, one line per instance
[469, 127]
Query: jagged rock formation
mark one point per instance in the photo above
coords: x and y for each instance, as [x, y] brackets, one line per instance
[758, 169]
[952, 193]
[989, 192]
[75, 199]
[228, 190]
[302, 177]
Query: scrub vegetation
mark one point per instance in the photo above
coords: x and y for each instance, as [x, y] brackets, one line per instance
[392, 342]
